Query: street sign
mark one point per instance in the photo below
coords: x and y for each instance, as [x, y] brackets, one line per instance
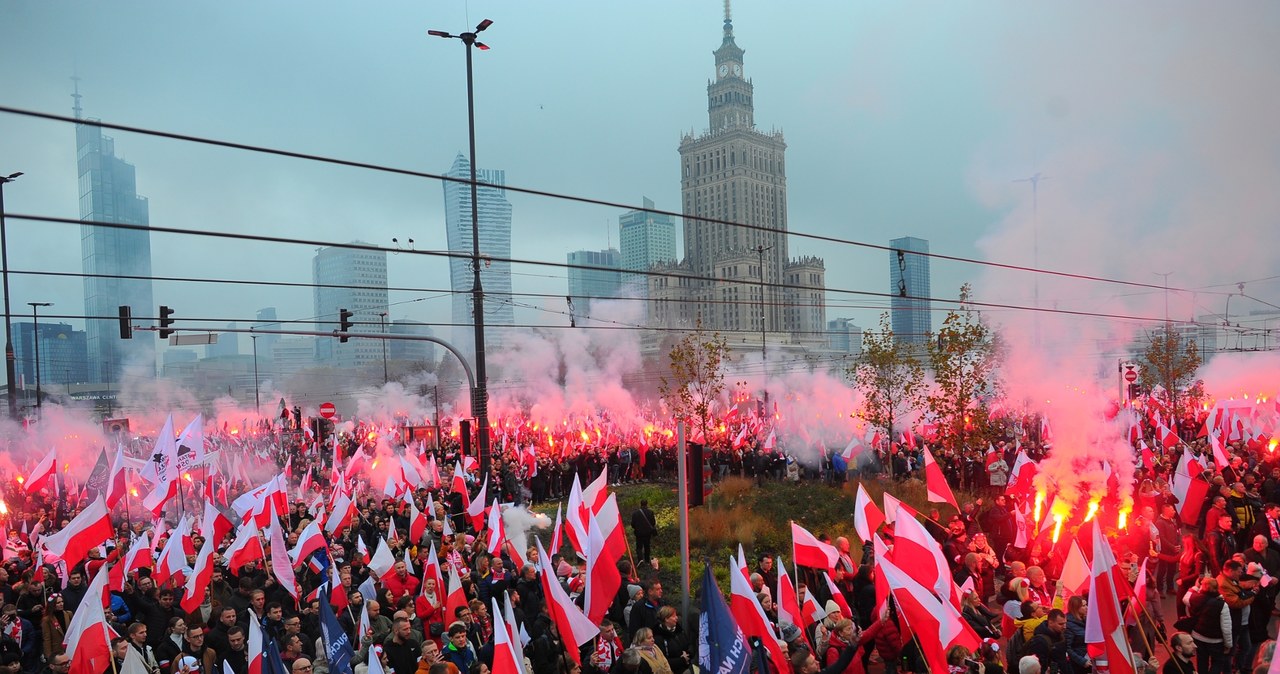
[1130, 376]
[328, 411]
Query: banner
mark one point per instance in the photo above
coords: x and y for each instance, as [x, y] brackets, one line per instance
[722, 647]
[337, 644]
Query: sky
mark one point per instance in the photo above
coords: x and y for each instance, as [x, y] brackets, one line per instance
[1155, 126]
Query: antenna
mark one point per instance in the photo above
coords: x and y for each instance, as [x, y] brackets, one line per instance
[1035, 242]
[75, 96]
[728, 13]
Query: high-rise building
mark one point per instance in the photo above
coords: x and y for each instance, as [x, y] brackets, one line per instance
[602, 281]
[909, 308]
[645, 239]
[494, 216]
[844, 336]
[63, 355]
[228, 344]
[734, 191]
[116, 262]
[267, 320]
[356, 280]
[415, 351]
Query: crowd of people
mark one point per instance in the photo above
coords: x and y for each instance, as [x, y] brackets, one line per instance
[1219, 570]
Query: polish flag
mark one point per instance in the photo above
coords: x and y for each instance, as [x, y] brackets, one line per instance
[750, 617]
[88, 637]
[432, 570]
[417, 523]
[340, 514]
[1023, 474]
[1148, 456]
[1139, 595]
[309, 541]
[837, 596]
[891, 507]
[138, 556]
[475, 509]
[215, 525]
[603, 577]
[937, 625]
[497, 533]
[811, 552]
[574, 627]
[788, 602]
[116, 479]
[459, 484]
[246, 548]
[505, 660]
[86, 531]
[595, 494]
[165, 484]
[172, 562]
[853, 449]
[42, 473]
[256, 654]
[383, 562]
[610, 519]
[936, 483]
[1075, 571]
[281, 565]
[194, 590]
[867, 518]
[810, 610]
[915, 549]
[577, 531]
[1105, 624]
[1166, 436]
[556, 542]
[433, 473]
[455, 598]
[1219, 454]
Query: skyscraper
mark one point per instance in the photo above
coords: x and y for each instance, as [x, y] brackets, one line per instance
[734, 175]
[351, 279]
[417, 352]
[108, 193]
[588, 284]
[909, 285]
[645, 239]
[494, 215]
[62, 354]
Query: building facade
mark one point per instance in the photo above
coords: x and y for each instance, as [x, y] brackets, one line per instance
[645, 238]
[116, 262]
[494, 216]
[909, 308]
[602, 280]
[414, 351]
[63, 354]
[739, 278]
[844, 336]
[353, 279]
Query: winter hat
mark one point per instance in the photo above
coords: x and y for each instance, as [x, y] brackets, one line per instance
[564, 570]
[832, 607]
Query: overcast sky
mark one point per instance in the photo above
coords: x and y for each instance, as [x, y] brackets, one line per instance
[1155, 123]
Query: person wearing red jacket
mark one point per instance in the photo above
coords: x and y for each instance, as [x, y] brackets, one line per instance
[400, 583]
[846, 633]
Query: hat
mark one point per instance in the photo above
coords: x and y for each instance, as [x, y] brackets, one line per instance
[633, 589]
[831, 607]
[186, 661]
[992, 644]
[577, 583]
[789, 632]
[1254, 571]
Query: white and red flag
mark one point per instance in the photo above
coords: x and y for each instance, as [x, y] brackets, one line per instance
[194, 590]
[751, 619]
[811, 552]
[246, 548]
[383, 562]
[867, 517]
[575, 628]
[603, 577]
[936, 483]
[42, 473]
[86, 531]
[88, 637]
[505, 657]
[937, 625]
[1104, 625]
[309, 541]
[215, 525]
[915, 549]
[117, 485]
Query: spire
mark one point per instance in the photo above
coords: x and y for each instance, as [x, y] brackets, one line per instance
[76, 95]
[728, 22]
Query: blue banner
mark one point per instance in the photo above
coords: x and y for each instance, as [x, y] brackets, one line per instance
[722, 648]
[337, 644]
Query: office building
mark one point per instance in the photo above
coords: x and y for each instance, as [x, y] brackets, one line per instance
[354, 279]
[844, 337]
[494, 216]
[645, 238]
[412, 351]
[593, 275]
[743, 278]
[116, 262]
[228, 344]
[909, 307]
[63, 354]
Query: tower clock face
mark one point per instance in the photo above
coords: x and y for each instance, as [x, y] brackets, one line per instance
[724, 70]
[737, 69]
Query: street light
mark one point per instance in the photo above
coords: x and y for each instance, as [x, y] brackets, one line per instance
[383, 317]
[35, 337]
[480, 394]
[764, 357]
[9, 358]
[257, 395]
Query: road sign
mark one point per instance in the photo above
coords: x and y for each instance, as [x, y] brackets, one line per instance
[328, 411]
[1130, 376]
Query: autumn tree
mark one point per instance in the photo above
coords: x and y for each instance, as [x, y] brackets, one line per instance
[1168, 362]
[964, 355]
[695, 378]
[889, 376]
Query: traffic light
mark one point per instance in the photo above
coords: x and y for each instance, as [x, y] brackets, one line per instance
[1135, 390]
[126, 322]
[165, 322]
[344, 324]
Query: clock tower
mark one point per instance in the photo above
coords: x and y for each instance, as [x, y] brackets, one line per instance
[729, 95]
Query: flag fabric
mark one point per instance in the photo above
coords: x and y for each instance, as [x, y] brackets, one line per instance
[603, 577]
[1075, 571]
[505, 659]
[915, 549]
[116, 485]
[246, 548]
[162, 470]
[936, 483]
[1022, 475]
[96, 483]
[1105, 624]
[891, 507]
[867, 518]
[454, 598]
[88, 637]
[138, 556]
[42, 473]
[475, 510]
[417, 523]
[496, 533]
[194, 590]
[937, 624]
[86, 531]
[837, 596]
[722, 647]
[340, 515]
[191, 444]
[256, 649]
[383, 562]
[281, 565]
[788, 602]
[1134, 610]
[310, 540]
[215, 525]
[809, 551]
[750, 616]
[574, 626]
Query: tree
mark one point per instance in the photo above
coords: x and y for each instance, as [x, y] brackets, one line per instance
[695, 379]
[1168, 362]
[964, 355]
[889, 376]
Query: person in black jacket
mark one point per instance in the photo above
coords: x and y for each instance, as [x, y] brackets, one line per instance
[644, 525]
[1049, 644]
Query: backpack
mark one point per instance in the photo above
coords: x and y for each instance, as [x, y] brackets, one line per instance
[1015, 649]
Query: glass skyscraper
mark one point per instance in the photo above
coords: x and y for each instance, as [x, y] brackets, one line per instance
[588, 284]
[353, 279]
[108, 193]
[645, 239]
[909, 286]
[494, 212]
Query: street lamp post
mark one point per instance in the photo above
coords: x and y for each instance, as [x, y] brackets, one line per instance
[9, 358]
[480, 393]
[35, 338]
[257, 394]
[764, 320]
[385, 378]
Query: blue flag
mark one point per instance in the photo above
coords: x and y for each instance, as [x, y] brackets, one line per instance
[337, 644]
[722, 648]
[272, 663]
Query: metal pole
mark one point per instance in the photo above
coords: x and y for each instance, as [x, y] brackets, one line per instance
[682, 475]
[383, 317]
[435, 403]
[35, 337]
[764, 357]
[257, 394]
[480, 394]
[9, 358]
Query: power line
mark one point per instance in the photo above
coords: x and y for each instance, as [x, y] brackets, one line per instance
[552, 195]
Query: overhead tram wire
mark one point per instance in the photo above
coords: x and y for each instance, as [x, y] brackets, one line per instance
[553, 195]
[263, 238]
